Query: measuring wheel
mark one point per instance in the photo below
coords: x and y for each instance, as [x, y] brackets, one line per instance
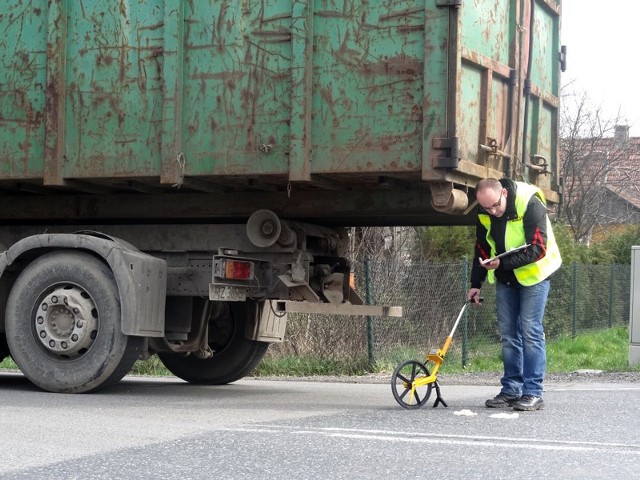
[402, 382]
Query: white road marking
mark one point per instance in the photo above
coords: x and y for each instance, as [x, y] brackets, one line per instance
[598, 388]
[463, 440]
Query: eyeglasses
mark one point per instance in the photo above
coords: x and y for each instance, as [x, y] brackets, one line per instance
[497, 204]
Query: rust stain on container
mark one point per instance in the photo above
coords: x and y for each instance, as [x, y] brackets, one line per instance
[353, 87]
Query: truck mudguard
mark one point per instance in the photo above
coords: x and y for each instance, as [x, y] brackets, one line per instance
[141, 278]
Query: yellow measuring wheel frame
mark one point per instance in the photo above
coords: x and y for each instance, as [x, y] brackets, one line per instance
[411, 382]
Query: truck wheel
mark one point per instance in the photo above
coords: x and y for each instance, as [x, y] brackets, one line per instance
[234, 356]
[63, 324]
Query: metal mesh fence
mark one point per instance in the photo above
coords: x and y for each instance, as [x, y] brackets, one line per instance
[582, 297]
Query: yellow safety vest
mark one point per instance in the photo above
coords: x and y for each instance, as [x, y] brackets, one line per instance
[531, 273]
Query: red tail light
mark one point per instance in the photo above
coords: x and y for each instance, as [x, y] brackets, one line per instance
[238, 270]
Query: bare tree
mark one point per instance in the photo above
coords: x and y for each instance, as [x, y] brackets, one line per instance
[381, 243]
[596, 164]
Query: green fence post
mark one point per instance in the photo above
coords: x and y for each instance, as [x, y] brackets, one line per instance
[611, 273]
[465, 325]
[369, 301]
[574, 289]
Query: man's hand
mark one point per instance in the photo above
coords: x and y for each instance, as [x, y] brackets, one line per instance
[473, 295]
[491, 265]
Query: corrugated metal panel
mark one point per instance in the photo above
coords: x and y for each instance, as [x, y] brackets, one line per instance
[332, 94]
[23, 51]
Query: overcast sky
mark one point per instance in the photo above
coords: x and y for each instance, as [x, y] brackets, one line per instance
[603, 58]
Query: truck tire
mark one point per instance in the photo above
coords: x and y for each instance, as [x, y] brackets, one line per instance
[63, 324]
[234, 356]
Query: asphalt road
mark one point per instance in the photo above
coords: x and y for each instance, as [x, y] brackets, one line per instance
[166, 429]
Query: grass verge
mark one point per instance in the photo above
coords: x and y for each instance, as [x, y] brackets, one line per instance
[606, 350]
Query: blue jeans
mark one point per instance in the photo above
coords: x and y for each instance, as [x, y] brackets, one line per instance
[520, 312]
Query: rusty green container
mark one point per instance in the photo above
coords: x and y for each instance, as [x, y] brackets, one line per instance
[344, 111]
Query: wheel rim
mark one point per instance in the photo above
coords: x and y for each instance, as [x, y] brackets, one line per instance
[401, 382]
[66, 321]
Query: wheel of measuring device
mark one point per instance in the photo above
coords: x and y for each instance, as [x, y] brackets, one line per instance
[402, 384]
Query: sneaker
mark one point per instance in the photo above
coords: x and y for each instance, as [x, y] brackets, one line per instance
[502, 400]
[528, 403]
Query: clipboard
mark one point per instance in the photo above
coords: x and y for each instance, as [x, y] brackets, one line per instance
[504, 254]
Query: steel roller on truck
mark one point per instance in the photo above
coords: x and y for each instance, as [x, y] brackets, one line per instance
[177, 176]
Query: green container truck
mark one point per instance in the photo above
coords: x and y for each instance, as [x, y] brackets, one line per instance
[176, 176]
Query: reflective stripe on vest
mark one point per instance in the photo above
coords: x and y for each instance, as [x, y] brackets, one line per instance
[531, 273]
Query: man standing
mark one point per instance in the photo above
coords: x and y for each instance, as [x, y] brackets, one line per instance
[513, 214]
